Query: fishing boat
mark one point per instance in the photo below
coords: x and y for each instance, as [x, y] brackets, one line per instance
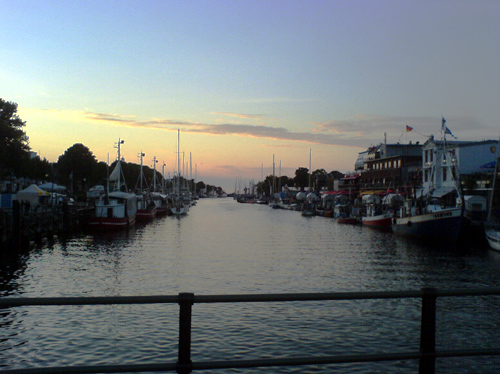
[380, 211]
[348, 220]
[146, 208]
[115, 209]
[161, 202]
[438, 214]
[346, 215]
[432, 223]
[492, 226]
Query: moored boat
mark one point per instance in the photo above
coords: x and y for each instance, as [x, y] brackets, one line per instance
[437, 215]
[380, 212]
[116, 210]
[439, 225]
[146, 208]
[492, 226]
[492, 233]
[348, 220]
[161, 203]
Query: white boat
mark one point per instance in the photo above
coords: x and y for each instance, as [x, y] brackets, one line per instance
[492, 233]
[115, 209]
[437, 215]
[492, 227]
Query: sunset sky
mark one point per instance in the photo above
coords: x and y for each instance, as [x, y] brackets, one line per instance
[246, 80]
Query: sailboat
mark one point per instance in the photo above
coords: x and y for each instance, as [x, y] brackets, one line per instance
[159, 198]
[492, 226]
[146, 208]
[179, 207]
[115, 209]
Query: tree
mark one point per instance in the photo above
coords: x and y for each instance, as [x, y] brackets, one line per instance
[77, 167]
[38, 169]
[301, 177]
[14, 147]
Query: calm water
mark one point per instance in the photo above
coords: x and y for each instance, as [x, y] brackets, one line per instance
[223, 247]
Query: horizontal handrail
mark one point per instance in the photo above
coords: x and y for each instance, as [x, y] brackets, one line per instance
[237, 298]
[426, 355]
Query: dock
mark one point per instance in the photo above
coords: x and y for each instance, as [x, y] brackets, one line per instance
[22, 226]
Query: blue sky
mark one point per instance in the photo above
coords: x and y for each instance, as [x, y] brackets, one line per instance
[246, 80]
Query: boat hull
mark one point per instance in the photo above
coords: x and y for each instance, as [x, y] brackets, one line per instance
[381, 221]
[179, 211]
[146, 214]
[347, 220]
[439, 226]
[106, 223]
[493, 238]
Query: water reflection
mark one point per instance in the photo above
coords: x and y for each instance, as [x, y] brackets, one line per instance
[223, 247]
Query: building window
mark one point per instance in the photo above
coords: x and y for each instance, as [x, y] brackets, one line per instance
[426, 156]
[445, 174]
[431, 154]
[426, 175]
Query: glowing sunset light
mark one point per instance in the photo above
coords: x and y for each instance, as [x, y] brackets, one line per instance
[243, 84]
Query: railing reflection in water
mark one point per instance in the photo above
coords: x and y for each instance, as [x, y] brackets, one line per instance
[427, 354]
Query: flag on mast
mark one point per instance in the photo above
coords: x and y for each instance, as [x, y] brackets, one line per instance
[408, 128]
[447, 131]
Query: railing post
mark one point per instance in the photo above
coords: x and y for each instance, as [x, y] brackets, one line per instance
[184, 364]
[428, 332]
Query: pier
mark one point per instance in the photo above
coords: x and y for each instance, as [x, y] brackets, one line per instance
[21, 225]
[426, 355]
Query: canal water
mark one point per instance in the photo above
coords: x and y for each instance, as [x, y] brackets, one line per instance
[223, 247]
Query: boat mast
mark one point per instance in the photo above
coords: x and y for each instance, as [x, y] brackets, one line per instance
[178, 165]
[274, 179]
[310, 170]
[493, 182]
[141, 155]
[120, 142]
[154, 172]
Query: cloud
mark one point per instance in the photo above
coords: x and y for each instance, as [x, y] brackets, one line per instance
[360, 131]
[240, 115]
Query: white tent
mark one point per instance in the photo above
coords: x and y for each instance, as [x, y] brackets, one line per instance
[33, 194]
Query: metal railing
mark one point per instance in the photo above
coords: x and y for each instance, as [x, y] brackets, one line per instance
[427, 354]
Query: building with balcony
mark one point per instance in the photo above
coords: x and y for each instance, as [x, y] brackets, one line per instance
[390, 166]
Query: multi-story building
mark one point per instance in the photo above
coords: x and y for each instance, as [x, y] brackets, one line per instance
[390, 166]
[419, 168]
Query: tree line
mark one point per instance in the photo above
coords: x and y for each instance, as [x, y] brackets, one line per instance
[77, 168]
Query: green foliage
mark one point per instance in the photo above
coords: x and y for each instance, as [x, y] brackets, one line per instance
[14, 146]
[301, 177]
[77, 167]
[39, 169]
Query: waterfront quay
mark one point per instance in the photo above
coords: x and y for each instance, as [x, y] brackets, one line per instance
[21, 225]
